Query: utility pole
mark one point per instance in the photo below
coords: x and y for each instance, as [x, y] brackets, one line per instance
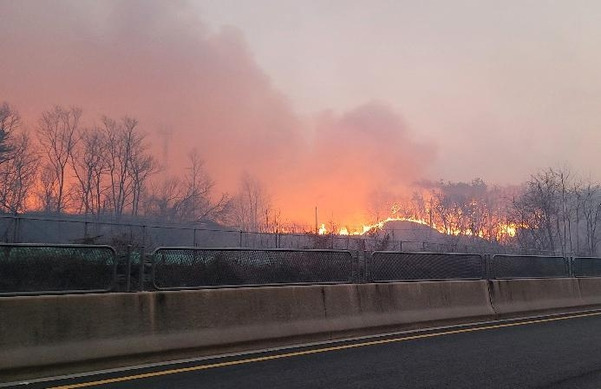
[316, 222]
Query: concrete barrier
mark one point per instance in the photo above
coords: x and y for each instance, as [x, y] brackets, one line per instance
[531, 295]
[51, 330]
[354, 307]
[590, 290]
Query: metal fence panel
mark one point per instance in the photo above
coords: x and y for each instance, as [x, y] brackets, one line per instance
[215, 238]
[37, 269]
[528, 266]
[8, 228]
[403, 266]
[587, 267]
[296, 241]
[257, 240]
[206, 267]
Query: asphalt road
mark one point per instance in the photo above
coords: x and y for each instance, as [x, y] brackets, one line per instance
[557, 352]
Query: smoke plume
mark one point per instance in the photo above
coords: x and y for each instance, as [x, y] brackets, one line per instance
[193, 88]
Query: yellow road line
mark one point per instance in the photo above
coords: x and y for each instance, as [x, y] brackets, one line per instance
[315, 351]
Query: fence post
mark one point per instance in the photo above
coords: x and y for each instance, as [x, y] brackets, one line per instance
[16, 229]
[366, 266]
[400, 245]
[194, 237]
[128, 274]
[142, 274]
[486, 258]
[490, 273]
[143, 235]
[240, 244]
[141, 271]
[356, 276]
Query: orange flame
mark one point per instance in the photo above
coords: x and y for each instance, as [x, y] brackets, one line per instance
[502, 232]
[323, 230]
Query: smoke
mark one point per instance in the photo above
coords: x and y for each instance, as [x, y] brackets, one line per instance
[194, 88]
[357, 154]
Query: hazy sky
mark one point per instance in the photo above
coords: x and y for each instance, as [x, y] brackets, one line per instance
[324, 101]
[504, 87]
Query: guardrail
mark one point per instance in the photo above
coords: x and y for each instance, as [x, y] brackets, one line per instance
[190, 268]
[387, 266]
[58, 269]
[586, 267]
[55, 269]
[528, 266]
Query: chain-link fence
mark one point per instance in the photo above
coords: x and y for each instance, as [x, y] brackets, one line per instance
[75, 229]
[197, 268]
[33, 269]
[529, 266]
[396, 266]
[586, 267]
[47, 268]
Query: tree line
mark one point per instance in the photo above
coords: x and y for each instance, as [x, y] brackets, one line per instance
[554, 212]
[108, 170]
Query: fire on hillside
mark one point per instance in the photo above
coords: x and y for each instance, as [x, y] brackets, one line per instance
[503, 230]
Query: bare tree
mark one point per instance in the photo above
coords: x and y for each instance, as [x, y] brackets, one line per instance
[9, 121]
[198, 204]
[46, 193]
[538, 210]
[252, 206]
[57, 134]
[500, 228]
[165, 199]
[143, 166]
[189, 199]
[554, 209]
[89, 166]
[17, 174]
[564, 221]
[117, 159]
[421, 207]
[128, 164]
[450, 203]
[589, 207]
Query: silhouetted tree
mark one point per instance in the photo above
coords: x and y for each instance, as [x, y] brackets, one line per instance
[9, 121]
[57, 134]
[252, 208]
